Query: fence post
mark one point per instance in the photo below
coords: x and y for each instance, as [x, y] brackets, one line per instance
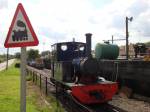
[46, 86]
[36, 78]
[29, 72]
[40, 82]
[33, 76]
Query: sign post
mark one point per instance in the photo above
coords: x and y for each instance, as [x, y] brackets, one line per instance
[23, 80]
[21, 34]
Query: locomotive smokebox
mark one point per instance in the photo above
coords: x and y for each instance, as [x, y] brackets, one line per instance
[88, 44]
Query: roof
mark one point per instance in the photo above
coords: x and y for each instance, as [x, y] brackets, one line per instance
[68, 43]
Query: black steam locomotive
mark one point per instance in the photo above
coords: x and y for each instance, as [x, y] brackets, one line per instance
[74, 68]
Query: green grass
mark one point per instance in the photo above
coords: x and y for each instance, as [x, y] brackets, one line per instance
[2, 59]
[9, 90]
[55, 106]
[10, 94]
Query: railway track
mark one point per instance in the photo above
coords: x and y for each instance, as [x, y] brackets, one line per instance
[72, 105]
[106, 108]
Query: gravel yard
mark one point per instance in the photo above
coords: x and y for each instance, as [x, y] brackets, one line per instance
[131, 105]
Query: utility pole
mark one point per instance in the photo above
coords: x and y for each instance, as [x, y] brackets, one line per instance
[112, 39]
[7, 58]
[43, 46]
[127, 37]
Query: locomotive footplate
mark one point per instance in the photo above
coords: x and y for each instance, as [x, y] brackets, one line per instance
[89, 94]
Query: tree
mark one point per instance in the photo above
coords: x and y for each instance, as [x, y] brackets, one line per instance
[17, 55]
[147, 44]
[44, 53]
[33, 54]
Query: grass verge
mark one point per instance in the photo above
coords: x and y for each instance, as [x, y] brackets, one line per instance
[10, 94]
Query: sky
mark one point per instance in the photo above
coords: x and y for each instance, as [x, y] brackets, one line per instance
[62, 20]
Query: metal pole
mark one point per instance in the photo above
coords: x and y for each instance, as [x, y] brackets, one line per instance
[127, 36]
[46, 86]
[112, 39]
[33, 77]
[7, 58]
[36, 78]
[23, 80]
[40, 82]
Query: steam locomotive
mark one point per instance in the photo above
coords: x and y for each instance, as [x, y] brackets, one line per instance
[74, 69]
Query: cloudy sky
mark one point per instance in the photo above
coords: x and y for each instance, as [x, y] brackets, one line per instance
[61, 20]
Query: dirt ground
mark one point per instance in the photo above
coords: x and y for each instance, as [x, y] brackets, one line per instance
[34, 93]
[131, 105]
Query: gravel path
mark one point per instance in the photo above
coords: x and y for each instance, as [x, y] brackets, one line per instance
[3, 65]
[131, 105]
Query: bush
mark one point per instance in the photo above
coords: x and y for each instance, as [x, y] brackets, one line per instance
[17, 65]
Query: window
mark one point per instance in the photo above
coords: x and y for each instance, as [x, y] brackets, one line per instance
[64, 47]
[81, 48]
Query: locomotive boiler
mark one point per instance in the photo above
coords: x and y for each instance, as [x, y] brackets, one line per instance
[74, 69]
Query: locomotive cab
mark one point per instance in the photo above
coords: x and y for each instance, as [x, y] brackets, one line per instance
[62, 56]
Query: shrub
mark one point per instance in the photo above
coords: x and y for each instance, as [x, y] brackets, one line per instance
[17, 65]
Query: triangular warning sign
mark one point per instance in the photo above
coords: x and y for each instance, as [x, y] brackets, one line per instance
[21, 33]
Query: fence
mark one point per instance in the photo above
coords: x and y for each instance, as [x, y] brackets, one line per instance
[42, 79]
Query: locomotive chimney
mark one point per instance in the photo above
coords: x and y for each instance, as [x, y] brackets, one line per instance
[88, 44]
